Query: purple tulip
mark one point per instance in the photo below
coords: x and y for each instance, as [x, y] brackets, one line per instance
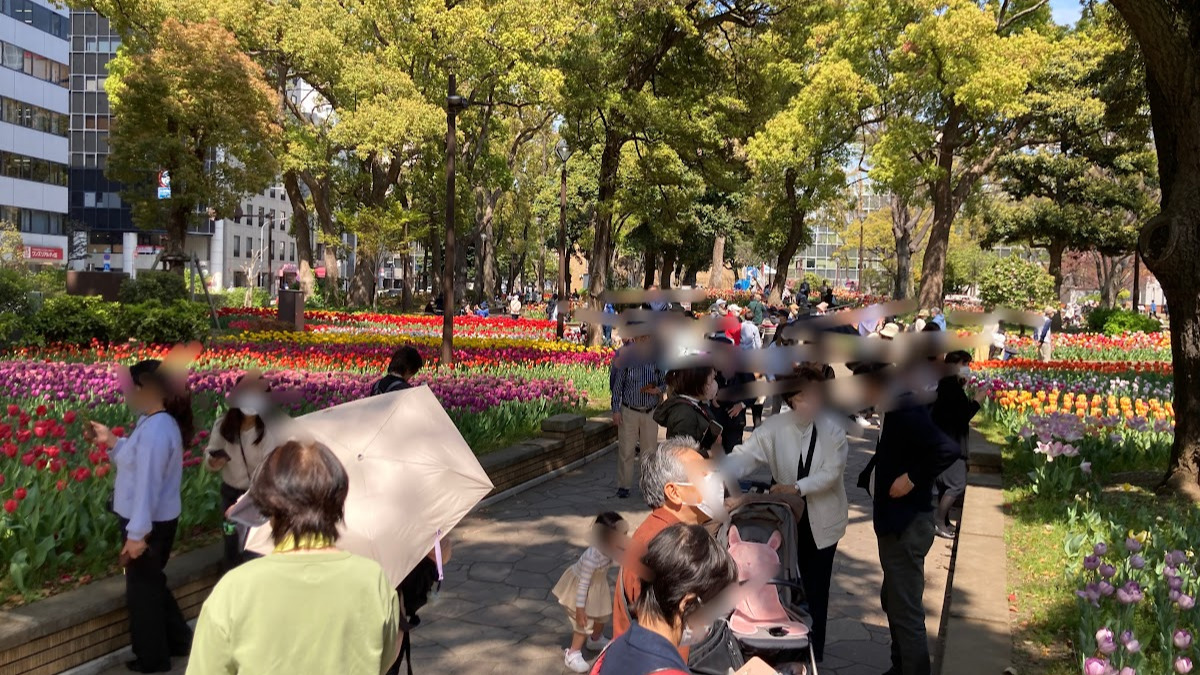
[1107, 571]
[1132, 545]
[1105, 641]
[1091, 562]
[1176, 558]
[1136, 561]
[1183, 665]
[1127, 671]
[1100, 549]
[1106, 589]
[1129, 594]
[1182, 639]
[1186, 602]
[1175, 583]
[1096, 666]
[1086, 468]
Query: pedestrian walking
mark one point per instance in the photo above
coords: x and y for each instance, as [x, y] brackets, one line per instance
[610, 316]
[910, 454]
[584, 591]
[757, 308]
[1042, 336]
[952, 413]
[337, 610]
[732, 323]
[637, 386]
[806, 453]
[146, 500]
[751, 336]
[405, 363]
[514, 307]
[239, 442]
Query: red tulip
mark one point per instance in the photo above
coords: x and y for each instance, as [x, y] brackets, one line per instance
[60, 485]
[81, 474]
[56, 465]
[102, 471]
[119, 432]
[20, 493]
[23, 436]
[10, 506]
[27, 459]
[41, 464]
[13, 410]
[1, 480]
[41, 411]
[10, 449]
[69, 417]
[51, 451]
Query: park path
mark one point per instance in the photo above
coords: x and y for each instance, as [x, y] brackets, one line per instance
[495, 613]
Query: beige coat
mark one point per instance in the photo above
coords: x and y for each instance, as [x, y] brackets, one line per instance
[779, 444]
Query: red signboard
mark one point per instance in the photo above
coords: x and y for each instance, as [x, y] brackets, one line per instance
[43, 253]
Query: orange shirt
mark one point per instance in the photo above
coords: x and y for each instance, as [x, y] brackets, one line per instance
[631, 568]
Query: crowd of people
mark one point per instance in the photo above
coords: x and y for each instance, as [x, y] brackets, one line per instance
[915, 477]
[675, 582]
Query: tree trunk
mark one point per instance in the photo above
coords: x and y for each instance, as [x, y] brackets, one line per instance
[602, 220]
[485, 247]
[302, 231]
[902, 286]
[689, 276]
[797, 232]
[716, 273]
[945, 205]
[319, 189]
[1056, 249]
[435, 267]
[651, 267]
[666, 275]
[362, 283]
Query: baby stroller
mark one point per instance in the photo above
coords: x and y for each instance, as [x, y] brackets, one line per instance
[772, 622]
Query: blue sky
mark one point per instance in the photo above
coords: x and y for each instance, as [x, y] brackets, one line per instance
[1065, 11]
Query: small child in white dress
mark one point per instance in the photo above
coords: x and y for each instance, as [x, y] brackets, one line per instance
[584, 590]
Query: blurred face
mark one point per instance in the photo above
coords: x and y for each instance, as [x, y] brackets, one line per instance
[806, 404]
[689, 495]
[143, 398]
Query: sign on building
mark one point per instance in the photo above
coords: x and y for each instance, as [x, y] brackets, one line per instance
[164, 185]
[43, 253]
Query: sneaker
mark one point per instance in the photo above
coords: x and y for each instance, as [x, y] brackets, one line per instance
[622, 493]
[575, 662]
[597, 644]
[943, 532]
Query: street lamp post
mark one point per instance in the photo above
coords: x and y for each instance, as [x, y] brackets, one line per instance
[564, 153]
[454, 105]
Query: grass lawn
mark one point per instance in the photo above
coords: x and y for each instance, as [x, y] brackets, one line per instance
[1042, 604]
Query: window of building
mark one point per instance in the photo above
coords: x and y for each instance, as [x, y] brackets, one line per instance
[292, 252]
[237, 246]
[249, 247]
[281, 250]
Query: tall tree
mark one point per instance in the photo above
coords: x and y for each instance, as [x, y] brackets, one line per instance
[190, 102]
[1168, 32]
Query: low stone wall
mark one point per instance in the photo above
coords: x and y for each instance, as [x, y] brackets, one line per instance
[75, 627]
[72, 628]
[565, 439]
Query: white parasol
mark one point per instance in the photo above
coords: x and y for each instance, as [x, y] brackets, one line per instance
[412, 476]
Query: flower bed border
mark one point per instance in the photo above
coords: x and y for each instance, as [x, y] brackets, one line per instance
[78, 626]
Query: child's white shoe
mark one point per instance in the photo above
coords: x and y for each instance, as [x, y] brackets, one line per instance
[597, 644]
[575, 662]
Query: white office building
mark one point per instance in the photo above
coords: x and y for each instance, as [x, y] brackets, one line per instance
[34, 97]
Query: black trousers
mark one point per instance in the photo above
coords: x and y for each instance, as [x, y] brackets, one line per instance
[232, 539]
[816, 570]
[156, 625]
[902, 557]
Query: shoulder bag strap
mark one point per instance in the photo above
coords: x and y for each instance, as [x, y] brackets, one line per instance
[621, 592]
[806, 464]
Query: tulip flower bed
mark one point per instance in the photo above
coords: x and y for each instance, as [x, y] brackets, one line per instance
[1102, 572]
[1139, 347]
[507, 378]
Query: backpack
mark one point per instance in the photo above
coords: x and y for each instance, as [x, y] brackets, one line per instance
[662, 671]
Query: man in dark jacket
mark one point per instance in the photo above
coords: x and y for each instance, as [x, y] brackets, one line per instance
[912, 451]
[952, 413]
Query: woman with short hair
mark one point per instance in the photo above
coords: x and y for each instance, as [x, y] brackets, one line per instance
[308, 608]
[687, 573]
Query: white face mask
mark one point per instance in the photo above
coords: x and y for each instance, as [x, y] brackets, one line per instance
[712, 497]
[964, 372]
[710, 390]
[252, 403]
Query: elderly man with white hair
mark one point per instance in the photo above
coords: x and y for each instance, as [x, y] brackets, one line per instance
[682, 487]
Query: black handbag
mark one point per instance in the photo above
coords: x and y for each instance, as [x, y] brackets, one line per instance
[718, 653]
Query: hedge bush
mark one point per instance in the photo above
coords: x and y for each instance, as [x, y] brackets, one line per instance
[1118, 321]
[163, 287]
[14, 292]
[72, 319]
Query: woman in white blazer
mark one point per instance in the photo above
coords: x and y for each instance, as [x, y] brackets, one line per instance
[811, 466]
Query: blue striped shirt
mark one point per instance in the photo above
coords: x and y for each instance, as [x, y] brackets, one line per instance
[629, 374]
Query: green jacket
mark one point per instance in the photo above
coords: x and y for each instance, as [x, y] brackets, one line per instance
[685, 417]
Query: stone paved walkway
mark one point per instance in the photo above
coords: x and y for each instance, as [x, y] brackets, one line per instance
[495, 613]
